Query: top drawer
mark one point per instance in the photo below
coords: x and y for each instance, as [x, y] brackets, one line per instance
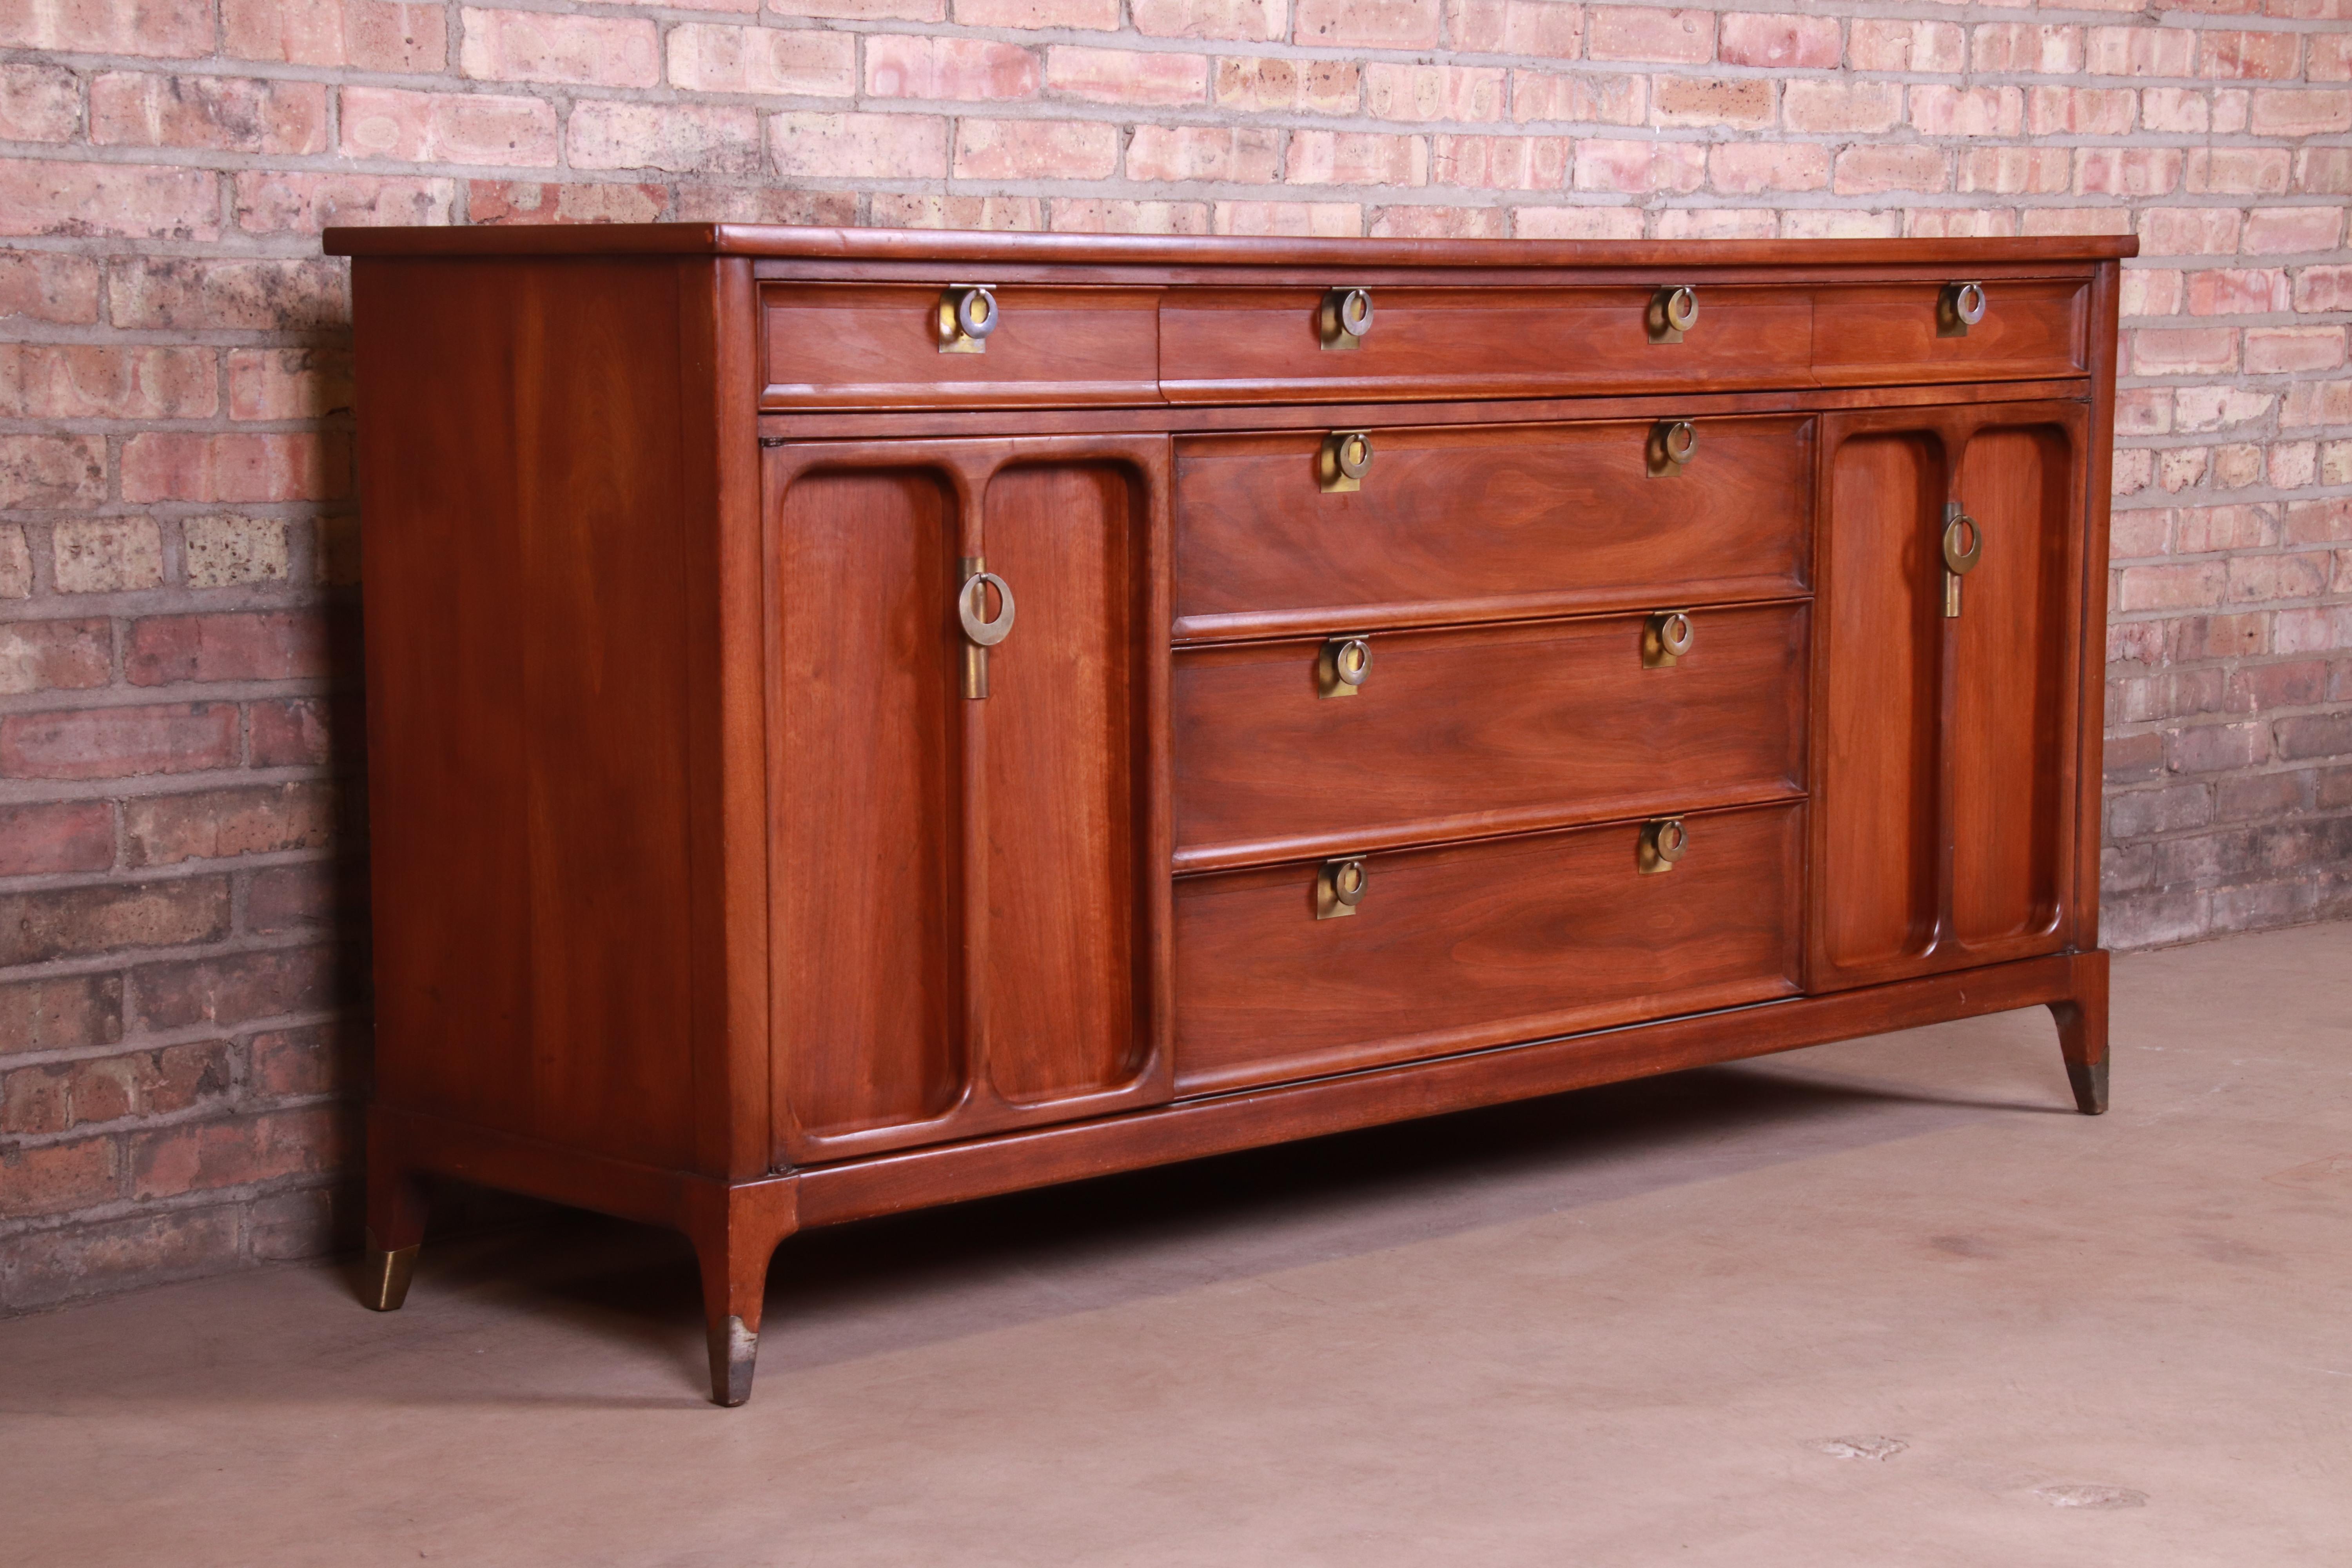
[844, 345]
[2026, 327]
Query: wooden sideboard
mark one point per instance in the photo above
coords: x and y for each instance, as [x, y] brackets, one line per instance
[866, 720]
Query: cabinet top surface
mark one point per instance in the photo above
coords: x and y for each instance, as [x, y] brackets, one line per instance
[862, 245]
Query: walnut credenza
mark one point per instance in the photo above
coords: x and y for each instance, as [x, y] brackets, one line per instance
[865, 719]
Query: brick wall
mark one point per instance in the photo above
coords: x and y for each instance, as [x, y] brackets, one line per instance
[179, 960]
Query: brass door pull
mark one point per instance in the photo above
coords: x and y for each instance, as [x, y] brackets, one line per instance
[1345, 318]
[1672, 312]
[1341, 667]
[1963, 548]
[1661, 845]
[981, 633]
[1958, 307]
[1672, 444]
[1340, 887]
[1665, 637]
[967, 313]
[1346, 458]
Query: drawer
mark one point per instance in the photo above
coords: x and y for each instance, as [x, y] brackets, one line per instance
[1265, 345]
[1481, 730]
[857, 345]
[1484, 523]
[1889, 332]
[1469, 945]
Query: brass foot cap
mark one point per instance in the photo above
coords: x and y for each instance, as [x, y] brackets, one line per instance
[384, 1283]
[2090, 1083]
[734, 1350]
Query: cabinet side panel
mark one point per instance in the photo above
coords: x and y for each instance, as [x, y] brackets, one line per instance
[524, 501]
[2008, 745]
[864, 811]
[1060, 972]
[1878, 778]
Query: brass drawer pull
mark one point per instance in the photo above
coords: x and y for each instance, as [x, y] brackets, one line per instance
[1963, 548]
[967, 313]
[1672, 444]
[1346, 458]
[1665, 637]
[1662, 844]
[1672, 312]
[1341, 667]
[1345, 318]
[1340, 887]
[981, 633]
[1960, 307]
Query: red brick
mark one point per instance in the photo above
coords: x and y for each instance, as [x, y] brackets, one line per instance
[60, 1014]
[1091, 215]
[54, 654]
[290, 466]
[119, 742]
[1127, 76]
[2191, 586]
[1877, 43]
[262, 819]
[47, 285]
[59, 381]
[1841, 106]
[1869, 171]
[315, 895]
[2235, 291]
[447, 128]
[708, 59]
[2126, 171]
[123, 201]
[67, 836]
[1613, 99]
[759, 204]
[163, 28]
[2139, 51]
[2227, 52]
[685, 137]
[2083, 110]
[1968, 111]
[1357, 158]
[1515, 27]
[44, 1268]
[1425, 222]
[367, 34]
[1419, 93]
[2012, 171]
[1639, 167]
[57, 1178]
[218, 294]
[1331, 86]
[288, 383]
[2288, 112]
[2026, 48]
[546, 46]
[63, 1096]
[889, 210]
[2190, 231]
[38, 103]
[1640, 33]
[949, 68]
[52, 471]
[230, 114]
[2272, 351]
[1576, 222]
[239, 1151]
[1747, 168]
[1035, 150]
[1753, 38]
[1366, 24]
[67, 922]
[2284, 231]
[2331, 57]
[2237, 171]
[1165, 153]
[319, 1059]
[1497, 162]
[2323, 171]
[1097, 16]
[533, 201]
[859, 146]
[235, 988]
[278, 645]
[1257, 21]
[1743, 101]
[290, 733]
[2178, 111]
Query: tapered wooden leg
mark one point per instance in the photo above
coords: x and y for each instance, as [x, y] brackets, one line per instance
[734, 1236]
[395, 1225]
[2083, 1033]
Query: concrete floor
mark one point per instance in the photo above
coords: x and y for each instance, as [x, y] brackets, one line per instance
[1885, 1303]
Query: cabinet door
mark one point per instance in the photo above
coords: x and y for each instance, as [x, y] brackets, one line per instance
[1946, 799]
[970, 893]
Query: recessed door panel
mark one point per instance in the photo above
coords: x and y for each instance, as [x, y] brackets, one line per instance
[869, 1020]
[1878, 791]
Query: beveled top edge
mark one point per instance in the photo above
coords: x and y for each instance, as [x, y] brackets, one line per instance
[1194, 250]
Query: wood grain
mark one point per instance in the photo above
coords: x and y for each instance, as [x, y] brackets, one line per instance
[840, 345]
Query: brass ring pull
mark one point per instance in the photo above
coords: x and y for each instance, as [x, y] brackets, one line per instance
[1338, 888]
[975, 312]
[1345, 318]
[971, 600]
[1662, 844]
[1680, 441]
[1958, 307]
[1356, 312]
[1342, 666]
[1673, 311]
[1963, 545]
[1353, 455]
[1666, 638]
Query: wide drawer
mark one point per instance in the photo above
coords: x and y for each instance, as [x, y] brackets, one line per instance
[1487, 522]
[1470, 945]
[1266, 344]
[1481, 730]
[2030, 327]
[883, 345]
